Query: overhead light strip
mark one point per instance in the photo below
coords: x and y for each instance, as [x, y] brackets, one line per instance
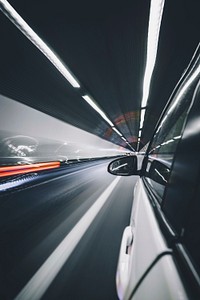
[92, 103]
[17, 20]
[155, 17]
[117, 131]
[142, 118]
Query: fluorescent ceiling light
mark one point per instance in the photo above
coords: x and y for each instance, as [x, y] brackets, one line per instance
[95, 107]
[15, 18]
[155, 18]
[142, 114]
[139, 133]
[124, 139]
[117, 131]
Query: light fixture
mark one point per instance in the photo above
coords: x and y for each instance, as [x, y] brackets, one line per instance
[20, 23]
[155, 17]
[91, 102]
[17, 20]
[142, 117]
[117, 131]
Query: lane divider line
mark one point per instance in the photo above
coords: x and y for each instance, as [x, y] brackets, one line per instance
[42, 279]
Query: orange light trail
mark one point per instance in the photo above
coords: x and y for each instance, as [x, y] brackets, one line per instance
[22, 169]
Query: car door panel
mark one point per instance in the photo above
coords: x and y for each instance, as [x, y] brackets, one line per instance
[148, 243]
[159, 257]
[161, 282]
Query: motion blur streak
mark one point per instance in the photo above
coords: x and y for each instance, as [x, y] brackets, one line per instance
[71, 142]
[40, 282]
[13, 183]
[39, 210]
[17, 20]
[22, 169]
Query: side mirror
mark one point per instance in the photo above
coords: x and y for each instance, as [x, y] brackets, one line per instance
[124, 166]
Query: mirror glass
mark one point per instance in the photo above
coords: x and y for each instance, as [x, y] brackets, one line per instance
[124, 166]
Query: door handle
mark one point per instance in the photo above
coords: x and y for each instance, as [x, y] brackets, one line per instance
[123, 262]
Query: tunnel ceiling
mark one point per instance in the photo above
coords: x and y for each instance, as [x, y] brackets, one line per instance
[104, 44]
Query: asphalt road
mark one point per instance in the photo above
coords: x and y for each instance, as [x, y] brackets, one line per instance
[60, 233]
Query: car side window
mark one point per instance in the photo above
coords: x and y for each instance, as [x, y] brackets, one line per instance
[191, 236]
[163, 146]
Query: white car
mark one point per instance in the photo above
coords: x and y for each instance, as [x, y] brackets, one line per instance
[160, 249]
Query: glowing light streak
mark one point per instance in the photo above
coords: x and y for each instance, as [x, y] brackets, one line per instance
[117, 131]
[18, 21]
[155, 17]
[22, 169]
[91, 102]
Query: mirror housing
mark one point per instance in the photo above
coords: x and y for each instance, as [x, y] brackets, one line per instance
[124, 166]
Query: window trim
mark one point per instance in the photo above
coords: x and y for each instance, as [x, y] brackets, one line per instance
[186, 74]
[164, 224]
[183, 259]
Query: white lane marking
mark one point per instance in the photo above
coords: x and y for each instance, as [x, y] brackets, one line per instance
[42, 279]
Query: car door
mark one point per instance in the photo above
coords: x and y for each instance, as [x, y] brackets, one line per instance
[147, 267]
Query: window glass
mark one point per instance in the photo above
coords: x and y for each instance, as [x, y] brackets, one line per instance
[191, 235]
[164, 144]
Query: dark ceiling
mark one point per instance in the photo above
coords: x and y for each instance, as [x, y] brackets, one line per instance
[104, 44]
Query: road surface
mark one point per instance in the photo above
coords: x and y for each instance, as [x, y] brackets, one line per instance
[60, 233]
